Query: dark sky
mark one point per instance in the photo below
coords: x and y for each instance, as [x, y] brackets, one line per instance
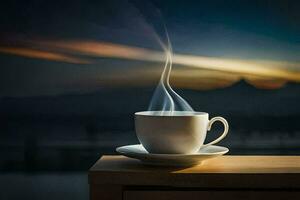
[241, 29]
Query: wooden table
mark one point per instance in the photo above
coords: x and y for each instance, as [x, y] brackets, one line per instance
[225, 177]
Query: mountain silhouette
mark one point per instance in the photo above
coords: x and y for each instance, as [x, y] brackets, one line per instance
[239, 99]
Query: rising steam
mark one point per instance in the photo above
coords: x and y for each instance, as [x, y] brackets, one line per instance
[165, 99]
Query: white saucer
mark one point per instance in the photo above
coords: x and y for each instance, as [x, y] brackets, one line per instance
[139, 152]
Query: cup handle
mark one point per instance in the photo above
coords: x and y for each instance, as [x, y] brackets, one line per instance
[226, 128]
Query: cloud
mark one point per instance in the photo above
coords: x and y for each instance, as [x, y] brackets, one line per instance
[100, 49]
[41, 54]
[196, 72]
[262, 68]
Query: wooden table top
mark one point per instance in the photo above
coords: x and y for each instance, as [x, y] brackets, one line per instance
[231, 171]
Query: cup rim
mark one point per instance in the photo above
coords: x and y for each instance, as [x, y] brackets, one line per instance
[168, 113]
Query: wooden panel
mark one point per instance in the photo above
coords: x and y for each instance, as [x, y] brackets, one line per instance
[105, 192]
[222, 164]
[211, 195]
[221, 172]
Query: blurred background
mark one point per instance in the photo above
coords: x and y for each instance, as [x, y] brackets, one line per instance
[72, 74]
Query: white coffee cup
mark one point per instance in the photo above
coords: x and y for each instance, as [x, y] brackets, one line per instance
[175, 133]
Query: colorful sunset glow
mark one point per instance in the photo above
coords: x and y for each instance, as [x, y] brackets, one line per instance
[196, 72]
